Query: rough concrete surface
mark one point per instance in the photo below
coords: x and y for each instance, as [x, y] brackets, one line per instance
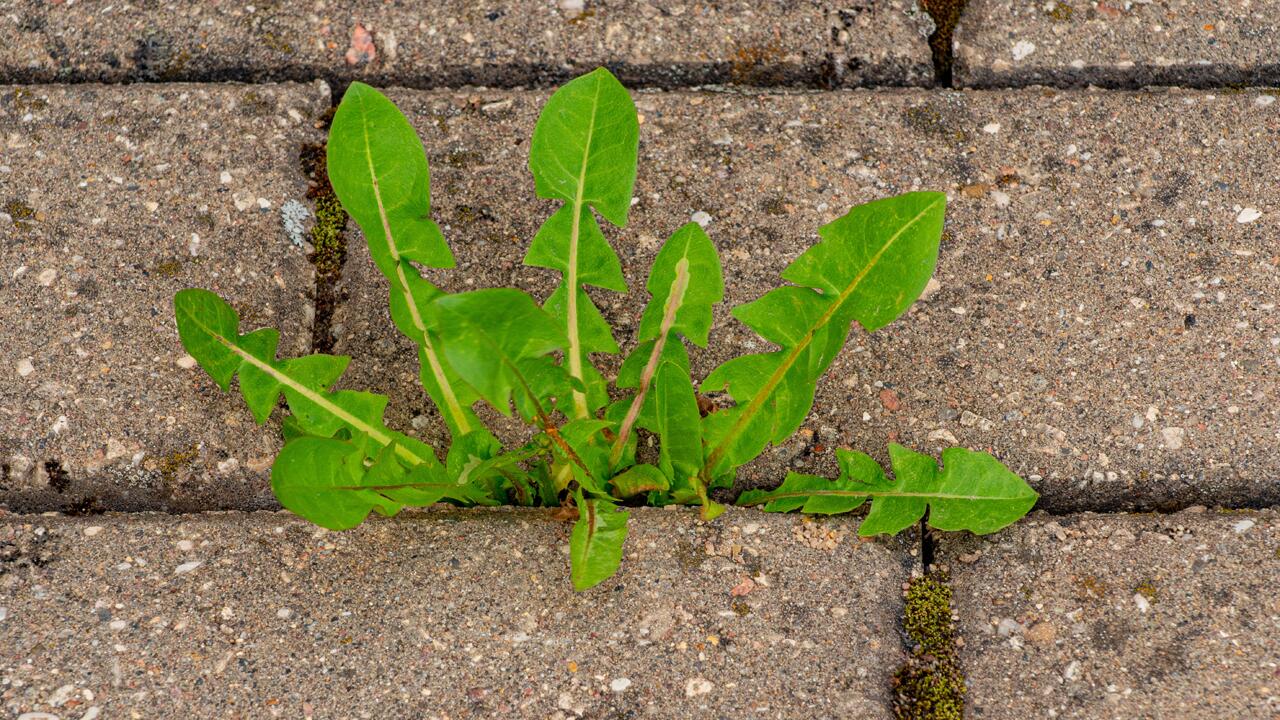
[1003, 43]
[1104, 316]
[445, 615]
[1112, 616]
[111, 200]
[665, 43]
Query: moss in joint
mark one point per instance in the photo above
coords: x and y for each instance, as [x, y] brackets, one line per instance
[328, 238]
[930, 686]
[945, 14]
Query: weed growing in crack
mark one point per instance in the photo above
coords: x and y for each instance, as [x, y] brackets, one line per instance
[500, 346]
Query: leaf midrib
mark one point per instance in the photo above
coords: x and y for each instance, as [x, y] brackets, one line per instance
[437, 370]
[571, 276]
[880, 494]
[717, 454]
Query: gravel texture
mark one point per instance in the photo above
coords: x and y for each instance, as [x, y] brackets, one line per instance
[664, 43]
[1092, 616]
[1104, 317]
[1003, 43]
[444, 615]
[111, 200]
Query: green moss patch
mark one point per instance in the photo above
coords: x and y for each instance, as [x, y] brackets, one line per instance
[930, 686]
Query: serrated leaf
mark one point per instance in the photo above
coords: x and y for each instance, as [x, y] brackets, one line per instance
[580, 446]
[639, 479]
[209, 330]
[487, 334]
[583, 152]
[594, 333]
[870, 266]
[379, 172]
[595, 545]
[677, 422]
[973, 492]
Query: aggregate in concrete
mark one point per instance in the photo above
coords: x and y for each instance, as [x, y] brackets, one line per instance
[445, 615]
[1090, 616]
[1104, 317]
[111, 200]
[663, 43]
[1189, 43]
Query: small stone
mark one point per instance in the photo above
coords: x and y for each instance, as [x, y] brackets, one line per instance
[284, 613]
[4, 614]
[61, 695]
[118, 624]
[1264, 100]
[620, 684]
[1009, 626]
[151, 205]
[1141, 602]
[943, 435]
[889, 399]
[185, 545]
[187, 567]
[1248, 215]
[1173, 437]
[25, 367]
[1022, 49]
[701, 217]
[243, 200]
[186, 362]
[225, 178]
[92, 530]
[1243, 526]
[362, 50]
[1042, 633]
[697, 686]
[991, 128]
[47, 277]
[1072, 671]
[38, 716]
[572, 8]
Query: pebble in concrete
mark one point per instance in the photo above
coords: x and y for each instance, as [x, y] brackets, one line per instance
[1002, 43]
[459, 42]
[447, 614]
[111, 200]
[1086, 616]
[1104, 312]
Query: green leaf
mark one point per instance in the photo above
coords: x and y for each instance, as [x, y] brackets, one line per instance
[379, 172]
[870, 266]
[691, 311]
[595, 545]
[677, 422]
[582, 448]
[308, 478]
[639, 479]
[974, 492]
[583, 152]
[488, 334]
[209, 330]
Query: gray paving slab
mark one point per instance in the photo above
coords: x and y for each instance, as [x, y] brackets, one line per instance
[1115, 616]
[1104, 316]
[111, 200]
[448, 43]
[445, 615]
[1189, 43]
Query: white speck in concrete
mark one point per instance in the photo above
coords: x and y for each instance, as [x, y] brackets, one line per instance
[697, 686]
[151, 205]
[193, 246]
[61, 695]
[186, 362]
[1072, 672]
[1022, 49]
[186, 545]
[228, 466]
[92, 713]
[1173, 437]
[572, 7]
[991, 128]
[1242, 527]
[1264, 100]
[701, 217]
[92, 530]
[60, 425]
[225, 178]
[620, 684]
[1248, 215]
[284, 613]
[187, 567]
[119, 624]
[264, 203]
[1001, 198]
[1141, 601]
[47, 277]
[4, 614]
[25, 367]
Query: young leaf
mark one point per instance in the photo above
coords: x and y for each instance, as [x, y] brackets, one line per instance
[685, 282]
[583, 152]
[639, 479]
[379, 171]
[595, 545]
[973, 492]
[870, 266]
[489, 335]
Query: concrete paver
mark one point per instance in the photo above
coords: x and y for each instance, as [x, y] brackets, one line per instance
[445, 614]
[1104, 317]
[666, 43]
[1003, 43]
[111, 200]
[1091, 616]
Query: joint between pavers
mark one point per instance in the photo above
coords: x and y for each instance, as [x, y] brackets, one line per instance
[946, 15]
[328, 237]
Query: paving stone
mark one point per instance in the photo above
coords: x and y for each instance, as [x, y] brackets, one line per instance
[1104, 314]
[447, 43]
[111, 200]
[1004, 43]
[1088, 616]
[446, 614]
